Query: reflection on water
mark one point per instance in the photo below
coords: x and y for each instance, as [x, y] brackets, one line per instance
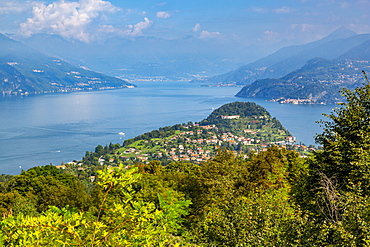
[55, 128]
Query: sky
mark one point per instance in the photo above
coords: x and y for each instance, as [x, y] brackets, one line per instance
[268, 22]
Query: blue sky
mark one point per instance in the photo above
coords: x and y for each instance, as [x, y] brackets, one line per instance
[248, 22]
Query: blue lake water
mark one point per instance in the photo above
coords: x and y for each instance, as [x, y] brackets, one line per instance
[56, 128]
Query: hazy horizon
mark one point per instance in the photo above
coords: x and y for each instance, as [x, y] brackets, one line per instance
[268, 23]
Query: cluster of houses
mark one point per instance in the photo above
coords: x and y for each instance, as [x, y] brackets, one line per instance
[197, 144]
[200, 145]
[294, 101]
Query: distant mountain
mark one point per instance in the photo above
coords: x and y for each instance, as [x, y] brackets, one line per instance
[291, 58]
[24, 70]
[360, 52]
[340, 33]
[318, 81]
[150, 58]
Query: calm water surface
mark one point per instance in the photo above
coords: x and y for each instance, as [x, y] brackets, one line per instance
[56, 128]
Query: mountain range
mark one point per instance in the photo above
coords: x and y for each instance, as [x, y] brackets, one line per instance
[24, 70]
[338, 44]
[312, 73]
[149, 58]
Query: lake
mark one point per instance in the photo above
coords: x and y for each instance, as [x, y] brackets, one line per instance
[55, 128]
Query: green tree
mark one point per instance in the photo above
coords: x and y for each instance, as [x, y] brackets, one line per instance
[246, 202]
[120, 221]
[345, 141]
[99, 149]
[335, 191]
[47, 186]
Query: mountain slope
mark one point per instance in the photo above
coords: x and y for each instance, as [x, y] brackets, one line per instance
[24, 70]
[291, 58]
[360, 52]
[318, 81]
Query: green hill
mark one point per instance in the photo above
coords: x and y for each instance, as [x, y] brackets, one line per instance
[247, 114]
[242, 127]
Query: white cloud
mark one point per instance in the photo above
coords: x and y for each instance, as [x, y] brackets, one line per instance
[196, 28]
[105, 29]
[131, 31]
[6, 8]
[208, 35]
[68, 19]
[258, 9]
[14, 6]
[303, 27]
[163, 15]
[270, 35]
[283, 10]
[129, 11]
[205, 34]
[136, 30]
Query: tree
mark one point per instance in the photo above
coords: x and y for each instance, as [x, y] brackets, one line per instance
[246, 202]
[48, 186]
[345, 141]
[120, 221]
[99, 149]
[335, 191]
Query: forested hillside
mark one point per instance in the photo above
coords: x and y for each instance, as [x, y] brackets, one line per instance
[270, 198]
[318, 81]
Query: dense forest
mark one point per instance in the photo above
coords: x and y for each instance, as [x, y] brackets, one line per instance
[270, 198]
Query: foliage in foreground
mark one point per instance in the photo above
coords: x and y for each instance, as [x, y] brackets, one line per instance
[119, 220]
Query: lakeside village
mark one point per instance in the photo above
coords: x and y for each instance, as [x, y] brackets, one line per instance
[191, 143]
[283, 100]
[202, 149]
